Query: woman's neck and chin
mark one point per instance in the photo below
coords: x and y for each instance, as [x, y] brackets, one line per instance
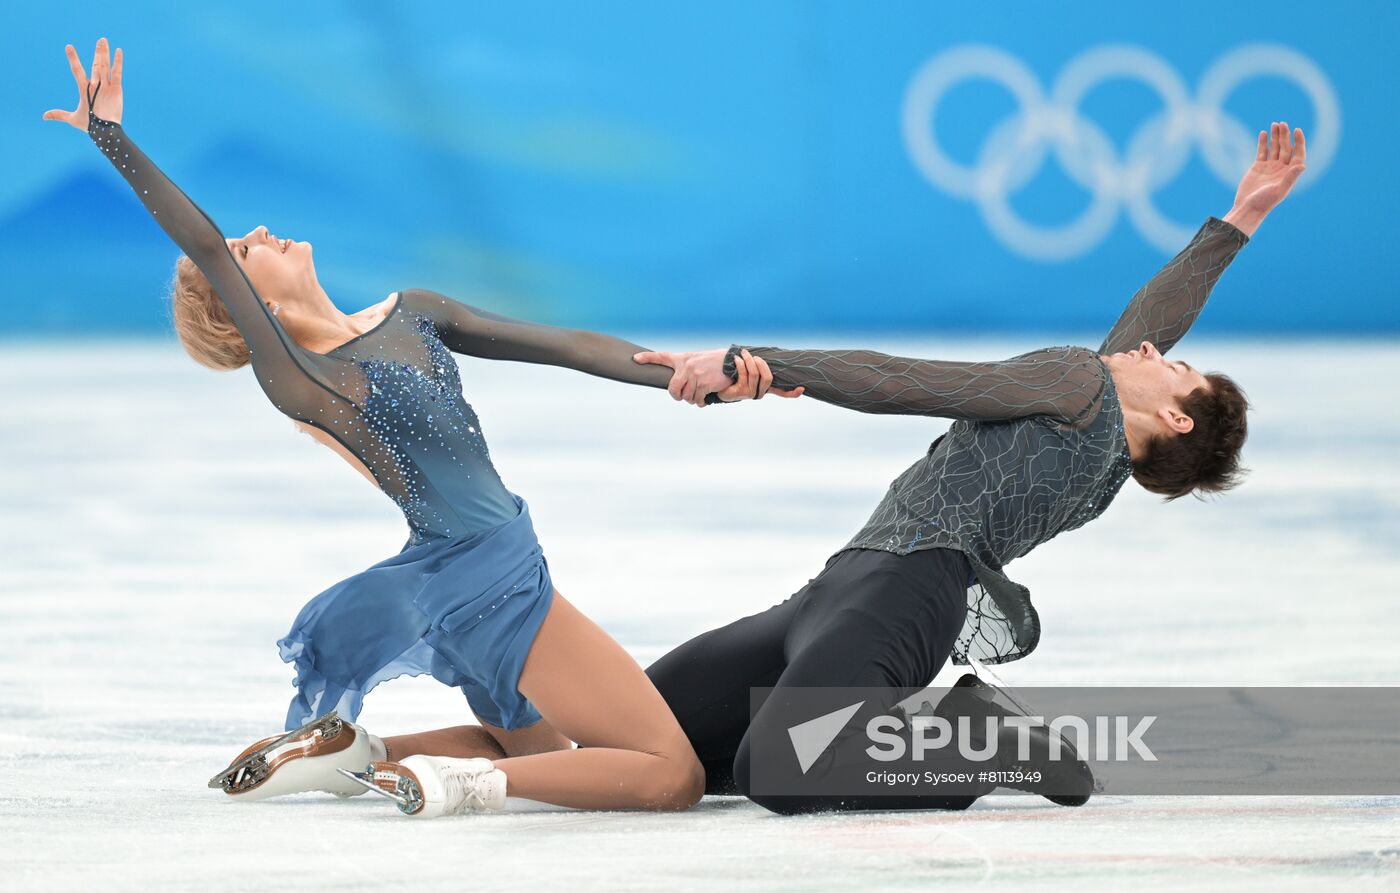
[315, 323]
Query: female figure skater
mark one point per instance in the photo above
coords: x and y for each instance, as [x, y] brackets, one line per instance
[469, 597]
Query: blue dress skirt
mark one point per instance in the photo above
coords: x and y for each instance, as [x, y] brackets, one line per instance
[465, 609]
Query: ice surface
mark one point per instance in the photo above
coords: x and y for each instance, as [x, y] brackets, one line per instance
[162, 525]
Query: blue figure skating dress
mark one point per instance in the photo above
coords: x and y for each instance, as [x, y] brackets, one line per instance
[465, 596]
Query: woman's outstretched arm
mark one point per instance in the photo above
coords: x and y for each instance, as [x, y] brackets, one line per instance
[480, 333]
[282, 368]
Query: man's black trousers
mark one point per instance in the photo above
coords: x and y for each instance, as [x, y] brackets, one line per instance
[870, 618]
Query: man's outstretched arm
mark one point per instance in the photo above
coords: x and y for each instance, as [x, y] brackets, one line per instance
[1165, 308]
[1061, 382]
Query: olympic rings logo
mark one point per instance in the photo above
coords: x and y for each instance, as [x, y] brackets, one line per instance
[1016, 148]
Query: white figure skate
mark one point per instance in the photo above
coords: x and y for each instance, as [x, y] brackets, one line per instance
[302, 760]
[426, 787]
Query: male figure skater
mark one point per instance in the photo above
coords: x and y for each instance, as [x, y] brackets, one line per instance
[1042, 443]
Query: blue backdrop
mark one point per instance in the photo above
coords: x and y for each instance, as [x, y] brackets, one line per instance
[778, 165]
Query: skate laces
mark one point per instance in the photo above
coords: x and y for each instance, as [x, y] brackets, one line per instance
[460, 788]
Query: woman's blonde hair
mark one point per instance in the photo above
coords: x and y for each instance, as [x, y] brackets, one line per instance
[202, 322]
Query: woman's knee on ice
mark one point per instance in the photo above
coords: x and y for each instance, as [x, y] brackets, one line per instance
[675, 781]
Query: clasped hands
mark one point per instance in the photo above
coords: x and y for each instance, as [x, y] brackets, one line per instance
[701, 372]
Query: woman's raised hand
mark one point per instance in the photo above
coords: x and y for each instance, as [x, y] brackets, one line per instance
[106, 83]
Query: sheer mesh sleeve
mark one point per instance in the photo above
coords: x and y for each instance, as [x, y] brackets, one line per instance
[480, 333]
[1061, 382]
[1169, 303]
[287, 375]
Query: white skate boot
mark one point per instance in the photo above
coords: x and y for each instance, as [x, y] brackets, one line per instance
[426, 787]
[302, 760]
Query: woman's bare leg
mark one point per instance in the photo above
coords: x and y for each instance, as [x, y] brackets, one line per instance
[458, 741]
[633, 754]
[485, 740]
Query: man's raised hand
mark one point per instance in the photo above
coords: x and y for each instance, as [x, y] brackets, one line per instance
[1279, 162]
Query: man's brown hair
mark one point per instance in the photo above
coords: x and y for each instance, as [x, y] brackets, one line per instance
[1206, 459]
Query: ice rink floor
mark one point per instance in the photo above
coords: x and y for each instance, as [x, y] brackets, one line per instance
[163, 524]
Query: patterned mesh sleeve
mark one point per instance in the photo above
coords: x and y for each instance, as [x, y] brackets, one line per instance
[481, 333]
[1060, 382]
[1169, 303]
[287, 375]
